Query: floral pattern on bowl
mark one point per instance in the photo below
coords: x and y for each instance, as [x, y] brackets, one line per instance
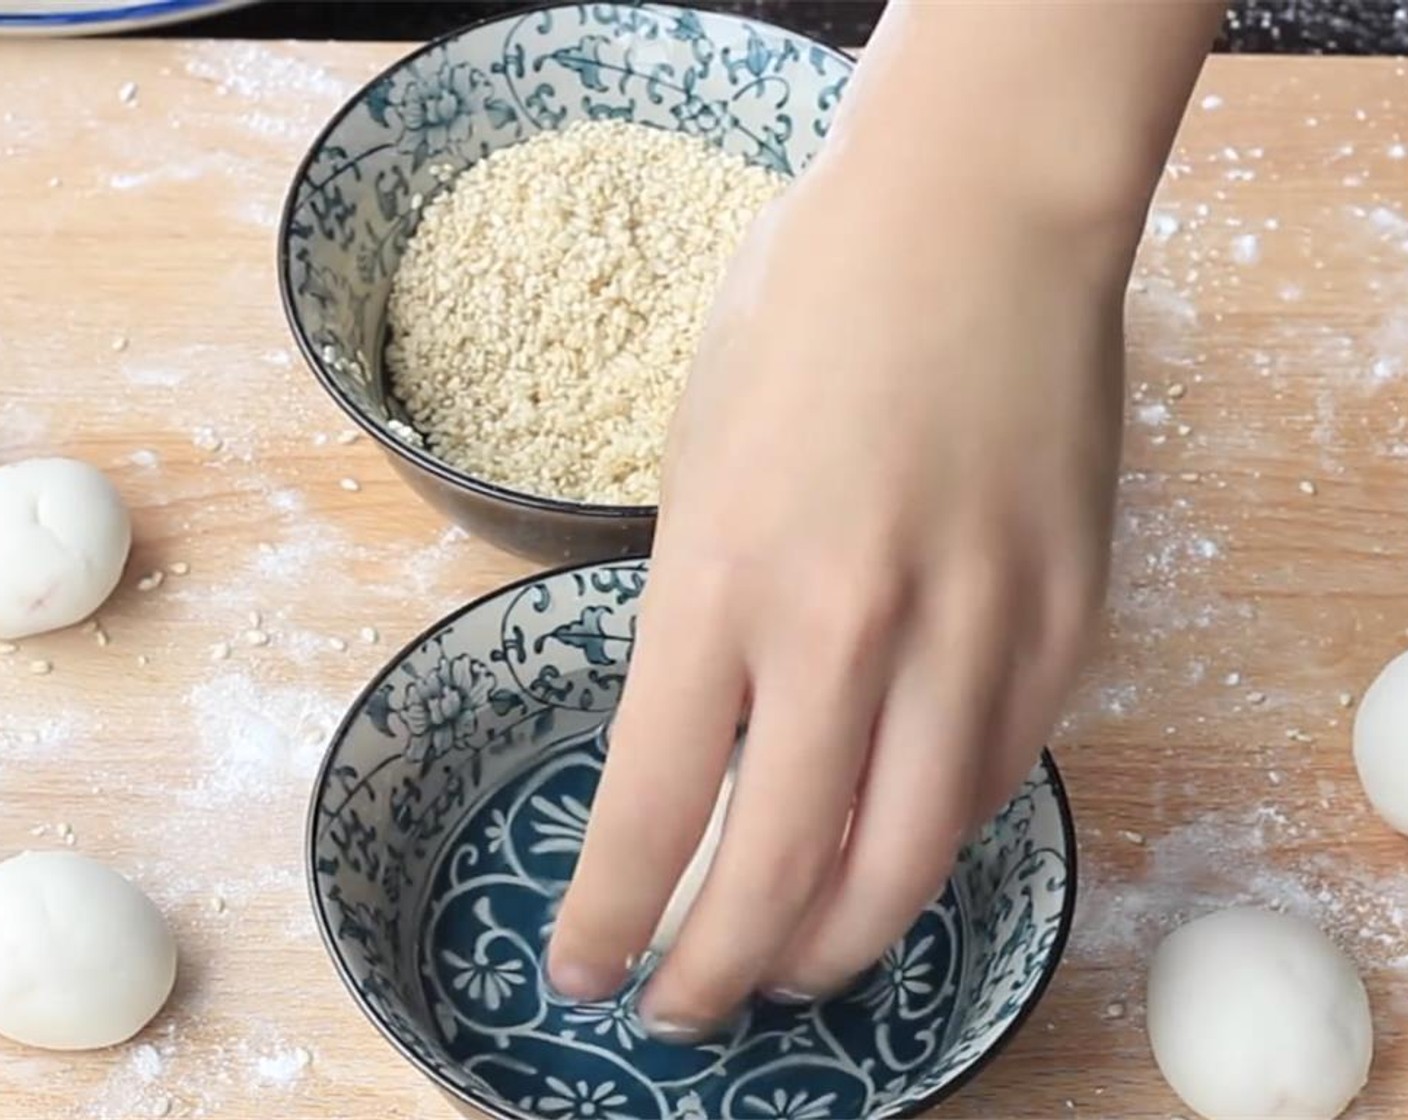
[758, 91]
[445, 825]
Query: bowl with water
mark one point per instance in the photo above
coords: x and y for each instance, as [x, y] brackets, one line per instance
[444, 827]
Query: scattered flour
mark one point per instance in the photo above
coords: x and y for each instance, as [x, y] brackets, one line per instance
[146, 1063]
[1154, 414]
[31, 734]
[21, 427]
[284, 1067]
[185, 172]
[258, 73]
[256, 742]
[1163, 226]
[173, 1076]
[1388, 222]
[1246, 249]
[1264, 858]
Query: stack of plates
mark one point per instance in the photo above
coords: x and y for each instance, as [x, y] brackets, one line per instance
[94, 17]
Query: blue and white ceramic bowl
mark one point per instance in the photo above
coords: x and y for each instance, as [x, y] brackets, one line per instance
[445, 824]
[756, 90]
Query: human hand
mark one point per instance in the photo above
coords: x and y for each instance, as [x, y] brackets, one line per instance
[884, 525]
[884, 532]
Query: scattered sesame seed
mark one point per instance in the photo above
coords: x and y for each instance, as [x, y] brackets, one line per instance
[55, 181]
[143, 660]
[369, 635]
[256, 638]
[119, 344]
[1132, 836]
[217, 903]
[1177, 391]
[127, 93]
[351, 485]
[180, 568]
[102, 638]
[351, 435]
[1114, 1011]
[40, 667]
[64, 831]
[337, 644]
[39, 830]
[7, 648]
[1307, 487]
[1274, 777]
[1185, 429]
[161, 1107]
[1256, 697]
[1190, 476]
[256, 620]
[219, 651]
[151, 582]
[1346, 699]
[1232, 680]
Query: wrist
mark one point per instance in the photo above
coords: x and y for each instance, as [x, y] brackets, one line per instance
[1057, 117]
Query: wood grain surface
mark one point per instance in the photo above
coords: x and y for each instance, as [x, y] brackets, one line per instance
[1259, 580]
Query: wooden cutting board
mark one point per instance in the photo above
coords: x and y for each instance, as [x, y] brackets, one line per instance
[1259, 576]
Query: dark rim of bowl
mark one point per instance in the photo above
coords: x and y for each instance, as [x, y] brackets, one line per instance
[491, 1107]
[420, 458]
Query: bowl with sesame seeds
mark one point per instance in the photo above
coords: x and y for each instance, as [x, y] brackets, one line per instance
[499, 256]
[445, 823]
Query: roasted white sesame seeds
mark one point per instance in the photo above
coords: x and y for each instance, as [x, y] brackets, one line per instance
[549, 304]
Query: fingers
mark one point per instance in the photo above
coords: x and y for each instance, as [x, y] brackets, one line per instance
[916, 805]
[669, 750]
[808, 735]
[1043, 671]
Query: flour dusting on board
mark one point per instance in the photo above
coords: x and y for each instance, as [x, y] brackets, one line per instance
[256, 742]
[170, 1076]
[1233, 861]
[256, 73]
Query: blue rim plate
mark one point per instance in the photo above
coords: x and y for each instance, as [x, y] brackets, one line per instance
[79, 17]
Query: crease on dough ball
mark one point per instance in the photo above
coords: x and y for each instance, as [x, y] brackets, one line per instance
[64, 539]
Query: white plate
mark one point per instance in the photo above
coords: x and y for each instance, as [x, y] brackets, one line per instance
[96, 17]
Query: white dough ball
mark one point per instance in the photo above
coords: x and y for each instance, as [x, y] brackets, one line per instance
[1381, 743]
[86, 959]
[1255, 1015]
[64, 538]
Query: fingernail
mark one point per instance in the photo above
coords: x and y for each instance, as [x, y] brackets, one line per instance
[788, 997]
[666, 1030]
[582, 982]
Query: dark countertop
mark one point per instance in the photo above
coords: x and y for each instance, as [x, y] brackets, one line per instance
[1253, 26]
